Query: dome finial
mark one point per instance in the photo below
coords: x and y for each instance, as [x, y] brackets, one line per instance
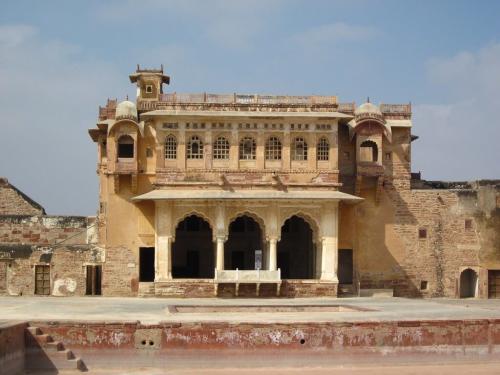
[126, 97]
[368, 99]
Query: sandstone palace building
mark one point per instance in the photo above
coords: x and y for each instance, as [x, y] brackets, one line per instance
[204, 195]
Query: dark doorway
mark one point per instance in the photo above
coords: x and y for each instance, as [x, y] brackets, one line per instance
[245, 237]
[493, 283]
[296, 255]
[468, 283]
[192, 263]
[237, 260]
[42, 280]
[193, 249]
[345, 267]
[93, 282]
[3, 277]
[146, 264]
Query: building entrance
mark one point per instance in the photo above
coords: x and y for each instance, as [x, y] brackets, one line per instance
[245, 238]
[296, 255]
[193, 251]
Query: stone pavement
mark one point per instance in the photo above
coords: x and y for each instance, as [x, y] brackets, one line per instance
[153, 310]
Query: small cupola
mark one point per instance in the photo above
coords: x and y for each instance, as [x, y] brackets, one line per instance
[126, 110]
[368, 112]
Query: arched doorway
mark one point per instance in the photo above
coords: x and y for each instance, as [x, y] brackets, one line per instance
[296, 255]
[193, 250]
[245, 238]
[468, 283]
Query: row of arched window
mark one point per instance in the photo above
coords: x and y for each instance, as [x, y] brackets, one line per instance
[247, 148]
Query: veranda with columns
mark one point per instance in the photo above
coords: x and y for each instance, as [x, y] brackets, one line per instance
[321, 214]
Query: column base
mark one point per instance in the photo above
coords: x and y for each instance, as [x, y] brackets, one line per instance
[329, 277]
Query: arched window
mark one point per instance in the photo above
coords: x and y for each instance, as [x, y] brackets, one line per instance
[170, 147]
[273, 149]
[125, 146]
[221, 148]
[247, 148]
[368, 151]
[323, 149]
[299, 149]
[195, 148]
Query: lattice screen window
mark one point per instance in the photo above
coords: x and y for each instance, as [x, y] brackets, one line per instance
[247, 148]
[170, 147]
[273, 149]
[299, 149]
[221, 148]
[195, 148]
[323, 149]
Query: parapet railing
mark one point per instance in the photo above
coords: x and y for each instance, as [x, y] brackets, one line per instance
[395, 108]
[247, 277]
[247, 99]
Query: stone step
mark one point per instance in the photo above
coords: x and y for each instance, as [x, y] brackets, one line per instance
[34, 331]
[146, 289]
[42, 361]
[346, 290]
[54, 346]
[385, 293]
[42, 339]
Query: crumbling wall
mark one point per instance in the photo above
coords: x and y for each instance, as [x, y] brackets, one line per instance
[65, 243]
[15, 202]
[120, 273]
[461, 225]
[43, 230]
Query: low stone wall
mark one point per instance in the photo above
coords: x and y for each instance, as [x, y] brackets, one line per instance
[204, 288]
[107, 344]
[12, 348]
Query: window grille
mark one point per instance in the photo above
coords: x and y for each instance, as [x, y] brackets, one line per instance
[273, 149]
[195, 148]
[221, 148]
[299, 149]
[247, 149]
[323, 149]
[170, 147]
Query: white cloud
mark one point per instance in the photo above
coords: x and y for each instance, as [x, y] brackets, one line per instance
[231, 24]
[333, 33]
[49, 95]
[459, 138]
[13, 35]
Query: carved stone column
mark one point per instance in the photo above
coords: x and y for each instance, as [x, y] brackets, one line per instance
[219, 254]
[163, 241]
[273, 254]
[329, 243]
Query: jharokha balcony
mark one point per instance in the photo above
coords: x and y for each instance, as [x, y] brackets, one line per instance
[370, 169]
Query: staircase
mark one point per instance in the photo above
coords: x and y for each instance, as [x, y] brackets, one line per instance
[146, 289]
[346, 290]
[45, 354]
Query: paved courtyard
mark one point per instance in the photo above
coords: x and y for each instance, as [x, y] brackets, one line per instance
[152, 310]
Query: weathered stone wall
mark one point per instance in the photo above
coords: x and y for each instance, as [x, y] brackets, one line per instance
[67, 268]
[65, 243]
[120, 272]
[450, 245]
[12, 348]
[43, 230]
[15, 202]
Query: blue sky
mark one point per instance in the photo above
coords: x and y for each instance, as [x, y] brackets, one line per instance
[59, 60]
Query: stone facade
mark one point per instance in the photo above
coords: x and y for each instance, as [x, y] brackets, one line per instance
[15, 202]
[29, 238]
[192, 185]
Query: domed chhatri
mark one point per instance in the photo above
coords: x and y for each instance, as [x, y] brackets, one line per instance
[368, 111]
[126, 110]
